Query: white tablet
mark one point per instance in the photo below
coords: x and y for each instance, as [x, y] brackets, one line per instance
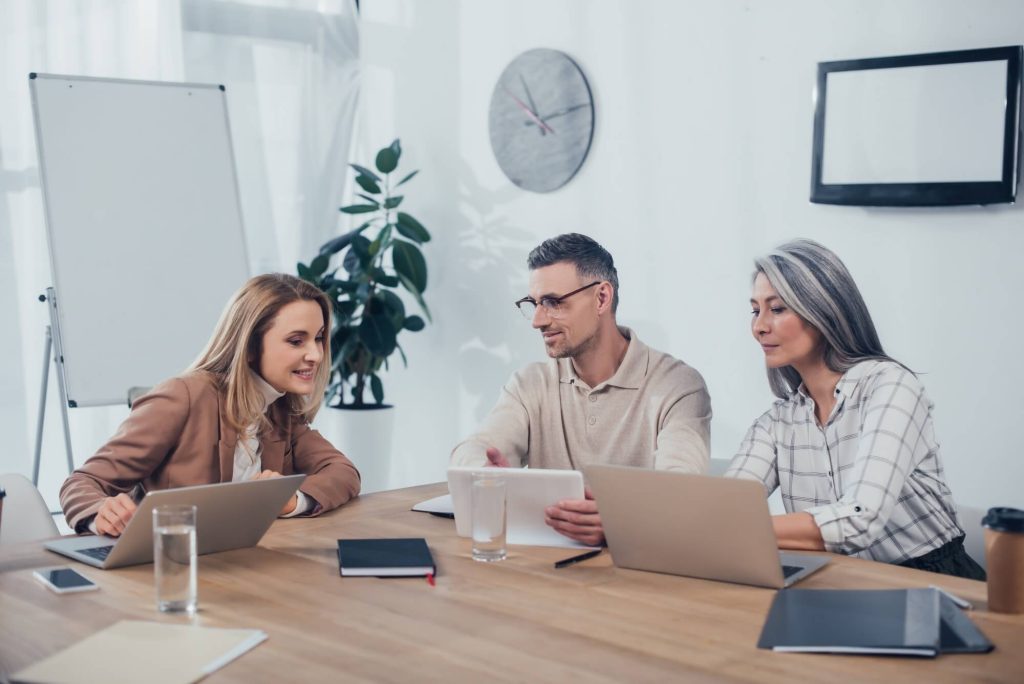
[530, 491]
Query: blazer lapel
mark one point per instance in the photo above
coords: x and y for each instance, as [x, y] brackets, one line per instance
[226, 444]
[273, 442]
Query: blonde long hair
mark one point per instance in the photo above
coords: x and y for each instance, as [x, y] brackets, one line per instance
[233, 353]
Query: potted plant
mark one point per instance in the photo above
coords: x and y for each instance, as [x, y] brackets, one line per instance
[360, 271]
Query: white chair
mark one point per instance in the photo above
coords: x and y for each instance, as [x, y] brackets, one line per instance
[974, 542]
[25, 515]
[719, 466]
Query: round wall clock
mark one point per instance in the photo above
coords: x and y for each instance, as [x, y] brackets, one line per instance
[541, 120]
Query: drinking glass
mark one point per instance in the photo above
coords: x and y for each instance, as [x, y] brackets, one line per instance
[489, 517]
[174, 558]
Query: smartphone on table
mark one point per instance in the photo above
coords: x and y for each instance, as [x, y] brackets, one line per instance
[64, 580]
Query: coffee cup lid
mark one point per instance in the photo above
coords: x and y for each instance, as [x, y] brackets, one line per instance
[1004, 520]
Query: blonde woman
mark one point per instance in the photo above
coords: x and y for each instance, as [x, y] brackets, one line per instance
[240, 412]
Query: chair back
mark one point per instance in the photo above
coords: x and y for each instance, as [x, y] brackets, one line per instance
[974, 542]
[718, 466]
[25, 514]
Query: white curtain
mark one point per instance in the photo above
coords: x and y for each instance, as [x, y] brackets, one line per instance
[290, 69]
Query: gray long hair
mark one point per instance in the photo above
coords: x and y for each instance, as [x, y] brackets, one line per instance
[815, 284]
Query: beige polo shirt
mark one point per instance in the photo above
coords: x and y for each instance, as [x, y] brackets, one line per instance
[654, 412]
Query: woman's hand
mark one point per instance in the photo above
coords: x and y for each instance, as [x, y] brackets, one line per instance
[292, 502]
[114, 515]
[798, 531]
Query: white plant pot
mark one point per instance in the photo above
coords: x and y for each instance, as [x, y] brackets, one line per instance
[364, 435]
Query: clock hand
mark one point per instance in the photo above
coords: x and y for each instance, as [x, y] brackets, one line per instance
[530, 113]
[560, 112]
[529, 97]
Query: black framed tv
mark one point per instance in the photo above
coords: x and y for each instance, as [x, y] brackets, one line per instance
[932, 129]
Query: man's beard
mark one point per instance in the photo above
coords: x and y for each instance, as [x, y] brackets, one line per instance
[567, 352]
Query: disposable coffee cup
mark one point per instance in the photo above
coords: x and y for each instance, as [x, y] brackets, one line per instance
[1004, 555]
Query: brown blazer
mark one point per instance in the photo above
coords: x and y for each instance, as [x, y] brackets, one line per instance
[176, 436]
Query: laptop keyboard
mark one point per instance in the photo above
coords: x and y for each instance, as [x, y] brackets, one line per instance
[790, 570]
[100, 553]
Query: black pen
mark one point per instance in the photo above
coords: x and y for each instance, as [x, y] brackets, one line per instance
[576, 559]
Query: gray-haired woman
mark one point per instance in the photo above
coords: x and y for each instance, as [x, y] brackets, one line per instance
[850, 440]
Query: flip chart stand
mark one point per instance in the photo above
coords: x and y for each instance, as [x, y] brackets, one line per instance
[53, 344]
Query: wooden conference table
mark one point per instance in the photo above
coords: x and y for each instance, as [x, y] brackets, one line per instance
[518, 620]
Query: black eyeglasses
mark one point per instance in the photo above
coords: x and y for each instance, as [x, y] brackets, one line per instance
[552, 305]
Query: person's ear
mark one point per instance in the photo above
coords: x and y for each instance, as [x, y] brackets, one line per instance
[605, 294]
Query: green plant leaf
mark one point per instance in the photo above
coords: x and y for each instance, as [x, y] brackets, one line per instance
[339, 337]
[407, 178]
[335, 245]
[353, 264]
[377, 389]
[369, 199]
[341, 357]
[409, 262]
[411, 228]
[388, 280]
[361, 246]
[368, 184]
[405, 361]
[416, 295]
[377, 333]
[394, 307]
[358, 209]
[320, 264]
[392, 202]
[305, 273]
[363, 171]
[381, 241]
[344, 310]
[414, 324]
[386, 160]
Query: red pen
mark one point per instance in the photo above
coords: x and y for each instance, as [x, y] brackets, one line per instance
[430, 579]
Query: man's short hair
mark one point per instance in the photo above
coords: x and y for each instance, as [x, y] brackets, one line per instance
[592, 261]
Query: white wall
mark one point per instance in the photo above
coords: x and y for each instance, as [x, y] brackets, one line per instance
[700, 161]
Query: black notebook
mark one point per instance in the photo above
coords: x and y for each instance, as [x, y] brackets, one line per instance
[385, 558]
[919, 622]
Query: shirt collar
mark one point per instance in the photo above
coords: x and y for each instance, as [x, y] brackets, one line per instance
[631, 371]
[847, 383]
[852, 377]
[270, 395]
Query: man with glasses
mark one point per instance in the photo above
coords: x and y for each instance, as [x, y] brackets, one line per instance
[605, 397]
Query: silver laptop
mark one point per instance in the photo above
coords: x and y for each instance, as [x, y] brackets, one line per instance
[694, 525]
[229, 515]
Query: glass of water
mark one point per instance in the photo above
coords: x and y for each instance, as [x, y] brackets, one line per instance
[489, 516]
[174, 558]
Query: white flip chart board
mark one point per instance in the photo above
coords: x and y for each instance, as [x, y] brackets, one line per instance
[144, 226]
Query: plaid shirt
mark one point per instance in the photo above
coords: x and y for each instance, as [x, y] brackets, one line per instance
[871, 478]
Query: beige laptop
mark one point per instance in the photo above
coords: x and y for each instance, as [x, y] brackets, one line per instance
[229, 515]
[694, 525]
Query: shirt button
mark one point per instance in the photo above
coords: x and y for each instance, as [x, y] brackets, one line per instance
[592, 420]
[830, 473]
[857, 508]
[593, 398]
